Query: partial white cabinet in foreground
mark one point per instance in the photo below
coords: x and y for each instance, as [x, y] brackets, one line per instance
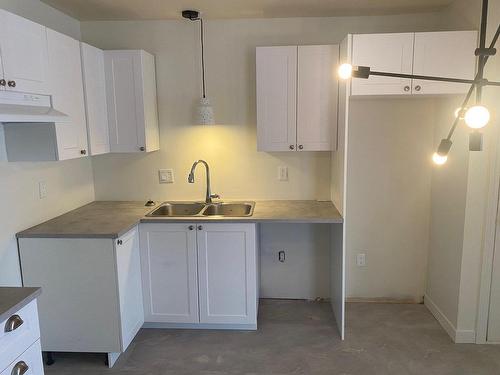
[297, 98]
[92, 292]
[20, 347]
[95, 99]
[131, 100]
[23, 55]
[200, 275]
[444, 54]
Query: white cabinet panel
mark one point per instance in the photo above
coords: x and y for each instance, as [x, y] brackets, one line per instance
[30, 360]
[386, 53]
[227, 273]
[317, 98]
[128, 269]
[66, 86]
[169, 269]
[444, 54]
[131, 101]
[276, 98]
[95, 99]
[23, 46]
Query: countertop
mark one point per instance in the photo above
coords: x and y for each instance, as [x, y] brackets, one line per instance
[12, 299]
[111, 219]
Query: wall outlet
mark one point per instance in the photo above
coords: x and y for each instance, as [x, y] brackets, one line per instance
[42, 189]
[283, 173]
[361, 260]
[166, 176]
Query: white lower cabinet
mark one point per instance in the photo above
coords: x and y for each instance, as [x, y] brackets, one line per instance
[28, 363]
[200, 275]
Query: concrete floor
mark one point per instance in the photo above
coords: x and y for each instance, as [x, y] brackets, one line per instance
[297, 337]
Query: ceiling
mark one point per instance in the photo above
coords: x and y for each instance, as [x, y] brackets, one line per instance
[86, 10]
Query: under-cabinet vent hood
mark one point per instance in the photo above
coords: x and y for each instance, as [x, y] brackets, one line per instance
[22, 107]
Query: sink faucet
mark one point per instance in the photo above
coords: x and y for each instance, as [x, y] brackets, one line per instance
[209, 195]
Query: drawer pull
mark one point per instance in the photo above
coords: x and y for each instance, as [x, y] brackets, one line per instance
[20, 368]
[13, 323]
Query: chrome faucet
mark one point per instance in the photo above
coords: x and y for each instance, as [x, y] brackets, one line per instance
[209, 195]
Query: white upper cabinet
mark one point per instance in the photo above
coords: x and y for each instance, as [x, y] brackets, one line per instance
[385, 53]
[66, 87]
[317, 92]
[95, 99]
[445, 54]
[131, 100]
[296, 98]
[23, 54]
[276, 98]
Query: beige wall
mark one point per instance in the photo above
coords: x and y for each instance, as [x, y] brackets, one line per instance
[70, 183]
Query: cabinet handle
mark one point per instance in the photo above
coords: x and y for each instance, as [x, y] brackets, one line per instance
[83, 152]
[292, 147]
[406, 88]
[119, 242]
[11, 83]
[13, 323]
[418, 88]
[200, 227]
[20, 368]
[3, 82]
[142, 148]
[301, 147]
[191, 227]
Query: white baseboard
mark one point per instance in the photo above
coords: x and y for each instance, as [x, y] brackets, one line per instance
[458, 336]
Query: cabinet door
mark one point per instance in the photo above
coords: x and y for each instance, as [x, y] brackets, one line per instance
[67, 94]
[227, 269]
[317, 97]
[23, 46]
[95, 99]
[169, 273]
[444, 54]
[276, 98]
[385, 53]
[128, 267]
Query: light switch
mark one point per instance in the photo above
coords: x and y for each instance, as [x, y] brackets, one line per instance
[166, 176]
[283, 173]
[42, 189]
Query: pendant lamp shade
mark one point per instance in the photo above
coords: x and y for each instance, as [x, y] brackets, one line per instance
[205, 112]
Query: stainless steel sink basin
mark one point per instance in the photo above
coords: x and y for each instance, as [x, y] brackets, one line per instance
[178, 209]
[199, 209]
[229, 209]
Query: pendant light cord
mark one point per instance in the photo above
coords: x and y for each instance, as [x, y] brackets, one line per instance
[202, 58]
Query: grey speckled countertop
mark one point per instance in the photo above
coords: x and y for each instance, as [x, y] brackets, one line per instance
[111, 219]
[12, 299]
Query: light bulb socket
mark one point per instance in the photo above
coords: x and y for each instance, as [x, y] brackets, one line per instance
[444, 147]
[192, 15]
[361, 72]
[476, 141]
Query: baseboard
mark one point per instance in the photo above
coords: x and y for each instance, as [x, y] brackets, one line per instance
[458, 336]
[382, 300]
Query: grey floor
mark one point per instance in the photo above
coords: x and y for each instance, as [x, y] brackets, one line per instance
[298, 337]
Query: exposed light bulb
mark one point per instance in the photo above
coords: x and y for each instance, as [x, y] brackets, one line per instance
[477, 117]
[345, 71]
[439, 159]
[460, 112]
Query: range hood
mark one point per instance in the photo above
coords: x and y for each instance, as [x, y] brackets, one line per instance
[22, 107]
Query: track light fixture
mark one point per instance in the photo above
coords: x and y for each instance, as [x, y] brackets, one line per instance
[477, 116]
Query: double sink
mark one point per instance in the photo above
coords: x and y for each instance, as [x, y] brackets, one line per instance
[183, 209]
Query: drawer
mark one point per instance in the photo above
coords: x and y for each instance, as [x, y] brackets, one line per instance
[13, 343]
[31, 360]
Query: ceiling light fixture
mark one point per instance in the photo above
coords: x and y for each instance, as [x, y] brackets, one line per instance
[204, 110]
[475, 117]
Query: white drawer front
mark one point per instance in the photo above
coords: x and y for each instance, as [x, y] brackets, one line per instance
[13, 343]
[31, 360]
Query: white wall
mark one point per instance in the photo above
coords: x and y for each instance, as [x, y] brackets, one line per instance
[70, 183]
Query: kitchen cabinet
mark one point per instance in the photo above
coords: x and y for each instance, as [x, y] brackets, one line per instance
[296, 98]
[66, 87]
[95, 99]
[23, 55]
[131, 101]
[93, 287]
[446, 54]
[200, 275]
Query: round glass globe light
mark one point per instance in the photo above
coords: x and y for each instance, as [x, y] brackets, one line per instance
[345, 71]
[477, 117]
[439, 159]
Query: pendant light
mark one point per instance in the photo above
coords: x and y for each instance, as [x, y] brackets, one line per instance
[204, 110]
